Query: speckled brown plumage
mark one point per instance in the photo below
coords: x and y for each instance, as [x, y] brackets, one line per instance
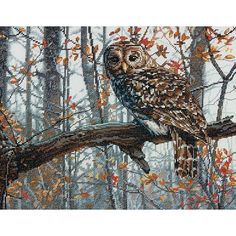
[160, 99]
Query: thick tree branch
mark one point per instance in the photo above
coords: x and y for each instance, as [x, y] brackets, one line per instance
[128, 136]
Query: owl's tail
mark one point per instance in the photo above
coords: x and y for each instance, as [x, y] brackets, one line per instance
[185, 154]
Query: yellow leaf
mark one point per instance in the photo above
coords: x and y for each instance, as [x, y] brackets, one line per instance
[229, 56]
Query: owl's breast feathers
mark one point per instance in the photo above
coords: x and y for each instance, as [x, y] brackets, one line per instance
[163, 96]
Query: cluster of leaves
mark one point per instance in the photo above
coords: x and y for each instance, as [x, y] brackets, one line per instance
[10, 126]
[222, 179]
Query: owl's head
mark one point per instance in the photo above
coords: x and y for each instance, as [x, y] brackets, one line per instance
[127, 58]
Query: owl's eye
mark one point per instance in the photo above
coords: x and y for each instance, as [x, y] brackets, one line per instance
[114, 59]
[133, 58]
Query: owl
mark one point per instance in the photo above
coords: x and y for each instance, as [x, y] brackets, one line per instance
[159, 99]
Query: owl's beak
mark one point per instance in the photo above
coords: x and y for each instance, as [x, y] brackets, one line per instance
[124, 66]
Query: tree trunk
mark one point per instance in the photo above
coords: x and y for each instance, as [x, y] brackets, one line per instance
[197, 65]
[88, 74]
[52, 92]
[28, 128]
[4, 33]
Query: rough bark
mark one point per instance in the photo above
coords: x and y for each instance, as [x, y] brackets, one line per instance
[4, 33]
[28, 112]
[197, 64]
[127, 136]
[52, 83]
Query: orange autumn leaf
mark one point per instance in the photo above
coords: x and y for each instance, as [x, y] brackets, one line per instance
[198, 197]
[84, 194]
[87, 50]
[152, 176]
[59, 60]
[123, 165]
[163, 197]
[13, 80]
[146, 43]
[184, 37]
[123, 38]
[68, 99]
[137, 30]
[232, 184]
[21, 29]
[44, 42]
[190, 183]
[115, 179]
[95, 50]
[103, 176]
[111, 33]
[174, 189]
[181, 185]
[89, 205]
[145, 180]
[73, 106]
[162, 182]
[18, 130]
[25, 71]
[76, 56]
[117, 30]
[65, 61]
[31, 62]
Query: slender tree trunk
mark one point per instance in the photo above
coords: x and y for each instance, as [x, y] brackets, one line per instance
[28, 131]
[52, 83]
[197, 65]
[88, 74]
[92, 86]
[52, 93]
[4, 33]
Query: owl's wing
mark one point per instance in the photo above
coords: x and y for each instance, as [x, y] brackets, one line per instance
[167, 98]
